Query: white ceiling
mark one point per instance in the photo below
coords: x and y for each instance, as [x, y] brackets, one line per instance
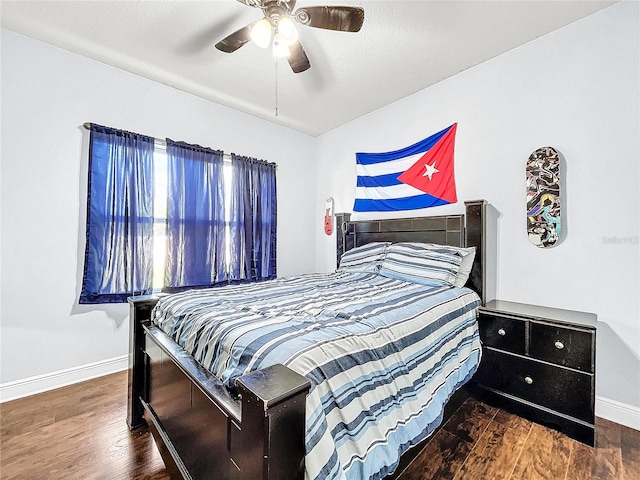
[403, 47]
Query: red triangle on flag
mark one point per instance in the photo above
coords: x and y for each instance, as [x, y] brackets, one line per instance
[433, 173]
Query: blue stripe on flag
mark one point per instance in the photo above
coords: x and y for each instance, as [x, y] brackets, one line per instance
[391, 204]
[379, 180]
[421, 146]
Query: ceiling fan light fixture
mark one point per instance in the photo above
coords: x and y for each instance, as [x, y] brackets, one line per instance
[261, 33]
[280, 49]
[287, 31]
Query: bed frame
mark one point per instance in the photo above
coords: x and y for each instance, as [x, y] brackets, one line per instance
[205, 431]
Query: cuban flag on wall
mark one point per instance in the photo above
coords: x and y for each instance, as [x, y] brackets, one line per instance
[418, 176]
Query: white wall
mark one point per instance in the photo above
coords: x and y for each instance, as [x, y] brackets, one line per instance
[47, 94]
[576, 89]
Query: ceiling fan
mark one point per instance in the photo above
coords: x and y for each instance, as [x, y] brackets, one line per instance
[277, 24]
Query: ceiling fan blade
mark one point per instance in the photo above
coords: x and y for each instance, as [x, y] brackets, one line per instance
[252, 3]
[233, 42]
[344, 19]
[298, 59]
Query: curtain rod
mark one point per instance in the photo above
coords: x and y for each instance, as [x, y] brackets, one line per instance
[161, 142]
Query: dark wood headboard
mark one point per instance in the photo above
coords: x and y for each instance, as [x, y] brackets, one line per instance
[464, 230]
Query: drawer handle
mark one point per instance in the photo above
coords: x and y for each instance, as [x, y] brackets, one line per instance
[501, 332]
[559, 345]
[528, 380]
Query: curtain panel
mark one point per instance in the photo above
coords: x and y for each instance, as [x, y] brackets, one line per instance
[195, 217]
[118, 252]
[253, 220]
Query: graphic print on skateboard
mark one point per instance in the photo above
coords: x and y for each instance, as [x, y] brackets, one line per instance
[543, 197]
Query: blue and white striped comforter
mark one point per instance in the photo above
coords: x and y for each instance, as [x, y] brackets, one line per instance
[383, 356]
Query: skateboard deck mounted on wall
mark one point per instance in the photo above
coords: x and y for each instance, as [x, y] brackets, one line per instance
[543, 197]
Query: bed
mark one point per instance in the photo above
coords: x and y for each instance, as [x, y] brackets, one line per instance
[246, 383]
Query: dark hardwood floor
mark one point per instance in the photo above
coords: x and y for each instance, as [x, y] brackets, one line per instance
[482, 442]
[79, 432]
[76, 432]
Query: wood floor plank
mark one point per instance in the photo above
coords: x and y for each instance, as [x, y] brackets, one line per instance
[470, 420]
[513, 422]
[545, 455]
[448, 450]
[604, 462]
[493, 454]
[582, 462]
[630, 450]
[18, 418]
[441, 458]
[608, 453]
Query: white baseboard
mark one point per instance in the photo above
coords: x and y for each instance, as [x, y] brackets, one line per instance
[618, 412]
[62, 378]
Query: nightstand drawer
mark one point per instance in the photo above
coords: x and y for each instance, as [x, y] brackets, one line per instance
[502, 332]
[562, 346]
[556, 388]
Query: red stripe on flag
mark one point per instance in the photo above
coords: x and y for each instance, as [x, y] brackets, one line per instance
[433, 173]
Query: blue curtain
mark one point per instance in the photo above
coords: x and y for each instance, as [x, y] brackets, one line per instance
[118, 254]
[253, 220]
[195, 217]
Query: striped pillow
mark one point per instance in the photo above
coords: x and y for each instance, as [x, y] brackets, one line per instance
[366, 258]
[468, 254]
[422, 263]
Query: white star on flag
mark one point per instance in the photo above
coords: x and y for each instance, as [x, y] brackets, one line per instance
[431, 169]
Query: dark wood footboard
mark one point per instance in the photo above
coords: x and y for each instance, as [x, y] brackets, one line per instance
[202, 430]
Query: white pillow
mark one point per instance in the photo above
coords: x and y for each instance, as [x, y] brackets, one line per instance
[465, 267]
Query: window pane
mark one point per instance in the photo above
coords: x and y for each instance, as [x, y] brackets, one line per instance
[159, 215]
[227, 214]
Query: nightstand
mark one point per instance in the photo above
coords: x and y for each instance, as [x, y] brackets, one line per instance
[539, 363]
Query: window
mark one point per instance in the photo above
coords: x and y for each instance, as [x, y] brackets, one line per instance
[160, 214]
[174, 217]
